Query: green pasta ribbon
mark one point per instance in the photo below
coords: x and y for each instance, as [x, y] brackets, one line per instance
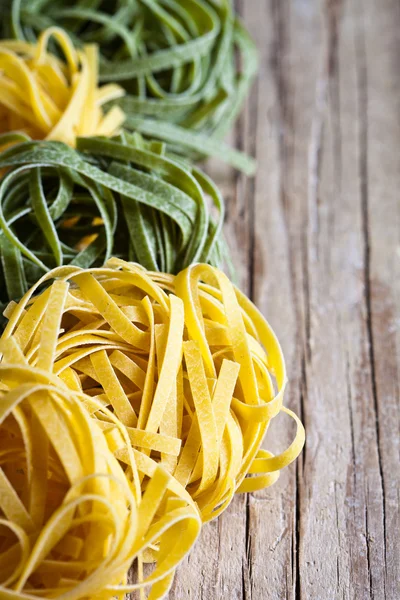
[186, 66]
[123, 196]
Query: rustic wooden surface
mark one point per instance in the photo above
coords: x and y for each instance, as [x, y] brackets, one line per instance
[316, 239]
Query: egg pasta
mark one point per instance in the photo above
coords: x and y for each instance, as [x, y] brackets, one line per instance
[50, 98]
[186, 363]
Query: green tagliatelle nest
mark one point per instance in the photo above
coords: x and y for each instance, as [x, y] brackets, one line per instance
[178, 62]
[122, 196]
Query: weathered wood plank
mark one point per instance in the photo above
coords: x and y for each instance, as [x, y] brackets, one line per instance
[316, 240]
[382, 235]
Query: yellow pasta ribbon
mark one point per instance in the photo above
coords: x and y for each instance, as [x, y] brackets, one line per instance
[149, 396]
[53, 99]
[75, 519]
[186, 363]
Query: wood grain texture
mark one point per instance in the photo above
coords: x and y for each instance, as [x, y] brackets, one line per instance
[315, 237]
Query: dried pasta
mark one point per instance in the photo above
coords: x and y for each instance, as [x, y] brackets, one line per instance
[73, 519]
[176, 60]
[134, 396]
[121, 196]
[186, 363]
[46, 97]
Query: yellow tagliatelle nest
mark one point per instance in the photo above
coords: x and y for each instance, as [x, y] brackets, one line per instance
[73, 520]
[53, 99]
[180, 375]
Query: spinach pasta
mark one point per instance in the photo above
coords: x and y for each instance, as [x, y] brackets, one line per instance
[121, 196]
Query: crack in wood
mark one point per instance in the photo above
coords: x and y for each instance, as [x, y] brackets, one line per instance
[280, 15]
[351, 420]
[367, 542]
[253, 123]
[362, 83]
[246, 561]
[338, 578]
[296, 541]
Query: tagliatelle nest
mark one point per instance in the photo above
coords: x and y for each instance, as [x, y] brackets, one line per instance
[186, 363]
[122, 196]
[48, 98]
[178, 62]
[133, 403]
[73, 520]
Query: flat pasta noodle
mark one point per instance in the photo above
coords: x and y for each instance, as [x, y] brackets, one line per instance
[50, 98]
[185, 363]
[75, 519]
[177, 61]
[122, 196]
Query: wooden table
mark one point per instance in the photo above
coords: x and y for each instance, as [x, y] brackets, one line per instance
[316, 238]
